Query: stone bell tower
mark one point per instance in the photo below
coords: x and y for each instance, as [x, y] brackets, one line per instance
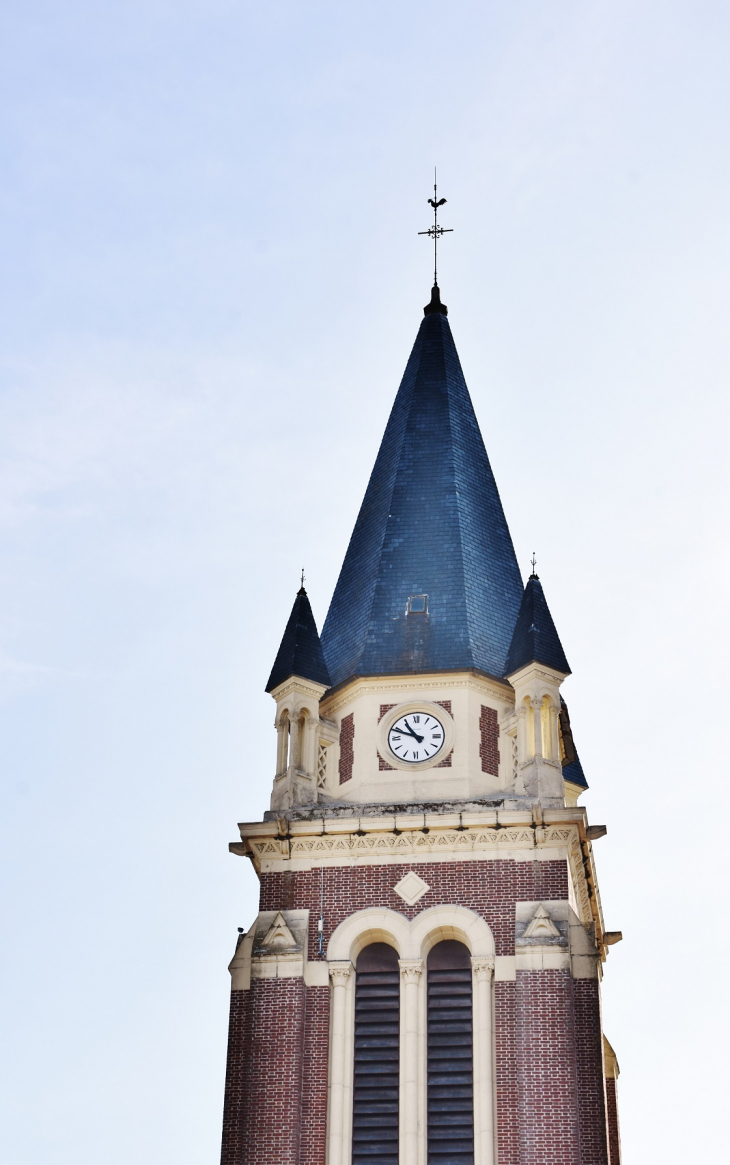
[421, 985]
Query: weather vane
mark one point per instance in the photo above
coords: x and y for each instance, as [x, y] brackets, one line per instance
[435, 232]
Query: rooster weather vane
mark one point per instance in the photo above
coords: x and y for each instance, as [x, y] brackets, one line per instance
[435, 232]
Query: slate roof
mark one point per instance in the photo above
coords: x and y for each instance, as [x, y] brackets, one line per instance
[300, 653]
[574, 773]
[431, 523]
[535, 638]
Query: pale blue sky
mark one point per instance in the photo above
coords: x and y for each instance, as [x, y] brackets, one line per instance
[211, 281]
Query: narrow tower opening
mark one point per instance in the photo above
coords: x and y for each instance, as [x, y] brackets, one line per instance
[377, 1056]
[450, 1056]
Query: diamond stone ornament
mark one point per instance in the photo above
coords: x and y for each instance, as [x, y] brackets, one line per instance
[411, 888]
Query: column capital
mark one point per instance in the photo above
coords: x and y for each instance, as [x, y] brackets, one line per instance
[339, 972]
[482, 967]
[411, 969]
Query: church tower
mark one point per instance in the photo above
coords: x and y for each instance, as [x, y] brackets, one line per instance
[422, 983]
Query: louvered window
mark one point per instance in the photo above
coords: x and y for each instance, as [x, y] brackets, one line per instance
[450, 1056]
[377, 1018]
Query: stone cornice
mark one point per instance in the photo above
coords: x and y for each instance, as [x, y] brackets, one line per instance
[298, 684]
[427, 837]
[427, 682]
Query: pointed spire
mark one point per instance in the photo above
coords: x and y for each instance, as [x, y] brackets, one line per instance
[300, 653]
[430, 581]
[535, 639]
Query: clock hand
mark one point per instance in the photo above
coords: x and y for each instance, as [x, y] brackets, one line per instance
[412, 733]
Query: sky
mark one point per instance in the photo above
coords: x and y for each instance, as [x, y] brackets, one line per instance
[211, 279]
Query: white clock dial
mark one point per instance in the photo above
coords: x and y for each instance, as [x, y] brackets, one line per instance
[416, 737]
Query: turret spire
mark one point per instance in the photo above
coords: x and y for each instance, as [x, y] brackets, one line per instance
[300, 653]
[535, 638]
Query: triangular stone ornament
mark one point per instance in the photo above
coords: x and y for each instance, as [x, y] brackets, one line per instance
[278, 934]
[542, 926]
[411, 888]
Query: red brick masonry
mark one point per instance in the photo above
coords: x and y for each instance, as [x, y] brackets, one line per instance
[347, 747]
[550, 1091]
[614, 1141]
[488, 746]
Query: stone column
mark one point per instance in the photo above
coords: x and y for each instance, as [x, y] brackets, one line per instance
[410, 973]
[339, 975]
[482, 970]
[537, 726]
[308, 762]
[524, 744]
[282, 745]
[293, 741]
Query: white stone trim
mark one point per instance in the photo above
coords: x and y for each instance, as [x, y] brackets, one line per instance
[483, 1036]
[505, 969]
[412, 941]
[411, 1119]
[339, 1091]
[542, 959]
[424, 682]
[411, 888]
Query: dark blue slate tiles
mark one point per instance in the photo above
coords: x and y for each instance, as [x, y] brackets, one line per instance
[431, 523]
[300, 653]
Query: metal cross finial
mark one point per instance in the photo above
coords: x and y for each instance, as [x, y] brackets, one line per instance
[435, 232]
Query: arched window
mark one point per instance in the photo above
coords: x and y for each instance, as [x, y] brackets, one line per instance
[377, 1057]
[450, 1097]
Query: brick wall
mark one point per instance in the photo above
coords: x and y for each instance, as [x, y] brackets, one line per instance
[550, 1098]
[508, 1139]
[589, 1065]
[547, 1089]
[274, 1074]
[235, 1103]
[614, 1138]
[489, 888]
[489, 741]
[314, 1076]
[347, 747]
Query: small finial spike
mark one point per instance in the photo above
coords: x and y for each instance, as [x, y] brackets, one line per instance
[533, 564]
[302, 580]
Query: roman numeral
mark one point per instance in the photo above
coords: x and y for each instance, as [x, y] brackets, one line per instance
[417, 719]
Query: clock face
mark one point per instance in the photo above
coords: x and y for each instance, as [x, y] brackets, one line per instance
[416, 737]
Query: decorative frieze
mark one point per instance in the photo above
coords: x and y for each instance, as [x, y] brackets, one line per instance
[424, 843]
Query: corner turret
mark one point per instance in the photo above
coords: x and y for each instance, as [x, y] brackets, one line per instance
[298, 681]
[536, 667]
